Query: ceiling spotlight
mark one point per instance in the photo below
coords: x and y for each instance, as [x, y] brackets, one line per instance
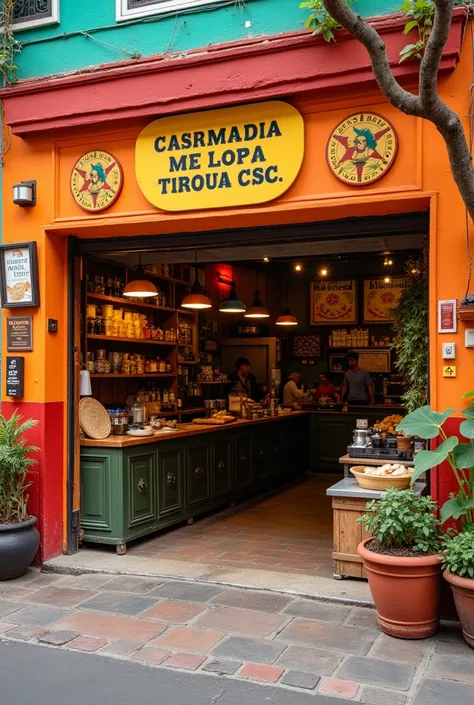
[387, 280]
[298, 267]
[324, 272]
[415, 270]
[387, 262]
[266, 260]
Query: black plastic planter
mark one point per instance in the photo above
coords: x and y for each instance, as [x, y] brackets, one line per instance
[18, 546]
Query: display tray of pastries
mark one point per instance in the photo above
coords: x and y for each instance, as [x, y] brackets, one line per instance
[380, 477]
[222, 417]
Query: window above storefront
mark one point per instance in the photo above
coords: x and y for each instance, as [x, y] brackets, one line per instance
[130, 9]
[33, 13]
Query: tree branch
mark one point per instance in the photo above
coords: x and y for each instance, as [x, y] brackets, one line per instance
[361, 30]
[428, 86]
[428, 104]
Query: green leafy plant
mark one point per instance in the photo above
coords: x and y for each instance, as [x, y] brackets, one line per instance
[319, 20]
[419, 16]
[402, 518]
[14, 465]
[9, 47]
[428, 424]
[410, 324]
[458, 554]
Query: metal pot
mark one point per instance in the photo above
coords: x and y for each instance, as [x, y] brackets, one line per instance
[361, 437]
[377, 440]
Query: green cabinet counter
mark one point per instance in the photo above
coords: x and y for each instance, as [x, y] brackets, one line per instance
[132, 487]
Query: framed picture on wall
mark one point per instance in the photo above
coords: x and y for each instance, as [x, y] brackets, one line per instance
[332, 302]
[381, 296]
[304, 347]
[19, 275]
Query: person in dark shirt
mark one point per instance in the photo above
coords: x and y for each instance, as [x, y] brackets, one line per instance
[358, 386]
[242, 380]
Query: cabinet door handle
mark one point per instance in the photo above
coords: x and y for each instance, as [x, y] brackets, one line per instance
[243, 458]
[221, 465]
[171, 478]
[142, 485]
[199, 472]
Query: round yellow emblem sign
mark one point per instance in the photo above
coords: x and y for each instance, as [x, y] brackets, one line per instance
[96, 180]
[362, 148]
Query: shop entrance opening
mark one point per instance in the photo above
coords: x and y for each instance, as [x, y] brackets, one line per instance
[237, 424]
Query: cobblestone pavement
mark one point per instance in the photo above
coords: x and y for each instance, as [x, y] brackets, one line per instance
[264, 637]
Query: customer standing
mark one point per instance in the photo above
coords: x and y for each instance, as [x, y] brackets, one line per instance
[358, 386]
[293, 391]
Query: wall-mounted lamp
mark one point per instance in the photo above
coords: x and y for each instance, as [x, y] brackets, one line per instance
[24, 193]
[324, 272]
[266, 260]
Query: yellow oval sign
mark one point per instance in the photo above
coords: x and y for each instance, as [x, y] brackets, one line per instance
[362, 148]
[227, 157]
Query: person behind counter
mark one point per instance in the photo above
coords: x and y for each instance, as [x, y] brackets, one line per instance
[242, 380]
[293, 391]
[325, 387]
[358, 386]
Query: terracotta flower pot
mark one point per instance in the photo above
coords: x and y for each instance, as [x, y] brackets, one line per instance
[463, 591]
[406, 592]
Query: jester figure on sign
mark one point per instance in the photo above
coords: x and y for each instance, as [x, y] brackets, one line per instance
[95, 180]
[361, 153]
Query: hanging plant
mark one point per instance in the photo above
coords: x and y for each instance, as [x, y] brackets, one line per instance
[9, 47]
[410, 324]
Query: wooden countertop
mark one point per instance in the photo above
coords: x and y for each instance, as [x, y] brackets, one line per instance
[183, 431]
[347, 460]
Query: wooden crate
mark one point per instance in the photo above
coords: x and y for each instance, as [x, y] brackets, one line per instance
[347, 534]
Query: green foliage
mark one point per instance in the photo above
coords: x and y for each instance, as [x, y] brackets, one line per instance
[458, 554]
[9, 47]
[319, 20]
[410, 323]
[419, 17]
[428, 424]
[14, 465]
[402, 518]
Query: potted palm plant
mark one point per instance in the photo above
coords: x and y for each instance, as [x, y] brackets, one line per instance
[458, 547]
[402, 562]
[19, 538]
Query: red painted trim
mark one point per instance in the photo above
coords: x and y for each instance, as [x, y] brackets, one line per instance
[47, 477]
[239, 72]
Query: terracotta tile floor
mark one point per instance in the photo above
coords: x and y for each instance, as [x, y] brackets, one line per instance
[290, 531]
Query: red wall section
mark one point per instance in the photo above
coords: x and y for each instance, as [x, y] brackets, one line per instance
[46, 491]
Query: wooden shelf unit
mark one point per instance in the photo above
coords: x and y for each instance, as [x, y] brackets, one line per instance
[166, 317]
[111, 375]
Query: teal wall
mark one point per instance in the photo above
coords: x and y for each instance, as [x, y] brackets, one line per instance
[60, 48]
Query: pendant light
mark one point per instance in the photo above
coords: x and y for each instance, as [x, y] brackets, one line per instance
[197, 299]
[287, 319]
[140, 288]
[233, 303]
[257, 310]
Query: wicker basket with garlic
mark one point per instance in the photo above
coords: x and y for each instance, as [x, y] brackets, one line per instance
[380, 477]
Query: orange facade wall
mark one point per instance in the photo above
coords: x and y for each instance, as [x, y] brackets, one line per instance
[420, 179]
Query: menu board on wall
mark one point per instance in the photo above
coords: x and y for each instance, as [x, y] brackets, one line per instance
[381, 296]
[374, 360]
[333, 302]
[371, 360]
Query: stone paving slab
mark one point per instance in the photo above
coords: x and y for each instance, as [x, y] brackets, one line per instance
[325, 649]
